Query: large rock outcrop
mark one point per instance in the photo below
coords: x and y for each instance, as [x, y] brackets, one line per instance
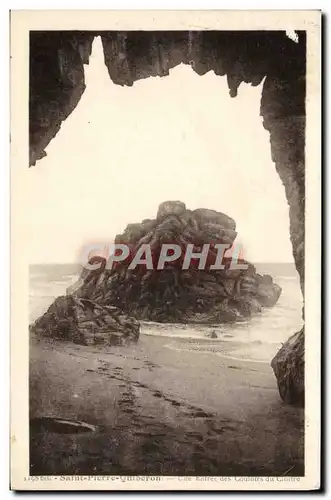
[174, 294]
[84, 322]
[289, 368]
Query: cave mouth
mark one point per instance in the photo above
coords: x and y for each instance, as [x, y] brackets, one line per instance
[169, 126]
[57, 84]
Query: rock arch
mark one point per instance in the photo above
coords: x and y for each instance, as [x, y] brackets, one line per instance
[57, 84]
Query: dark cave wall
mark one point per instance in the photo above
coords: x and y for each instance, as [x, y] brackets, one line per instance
[57, 84]
[286, 126]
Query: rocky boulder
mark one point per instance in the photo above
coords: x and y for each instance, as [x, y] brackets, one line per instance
[82, 321]
[174, 294]
[289, 368]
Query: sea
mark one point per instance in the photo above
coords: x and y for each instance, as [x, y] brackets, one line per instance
[258, 339]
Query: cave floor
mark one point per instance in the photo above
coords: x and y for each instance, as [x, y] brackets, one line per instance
[159, 410]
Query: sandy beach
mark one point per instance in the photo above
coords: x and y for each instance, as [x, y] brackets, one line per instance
[160, 407]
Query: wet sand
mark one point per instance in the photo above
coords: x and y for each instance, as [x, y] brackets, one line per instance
[160, 407]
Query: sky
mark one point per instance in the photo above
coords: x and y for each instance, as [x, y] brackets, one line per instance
[124, 150]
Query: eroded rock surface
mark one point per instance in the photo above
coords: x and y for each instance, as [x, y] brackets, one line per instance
[175, 294]
[289, 368]
[82, 321]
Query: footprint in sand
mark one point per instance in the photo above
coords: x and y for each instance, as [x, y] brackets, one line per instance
[150, 365]
[176, 403]
[211, 444]
[215, 430]
[195, 435]
[197, 412]
[201, 414]
[128, 410]
[139, 384]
